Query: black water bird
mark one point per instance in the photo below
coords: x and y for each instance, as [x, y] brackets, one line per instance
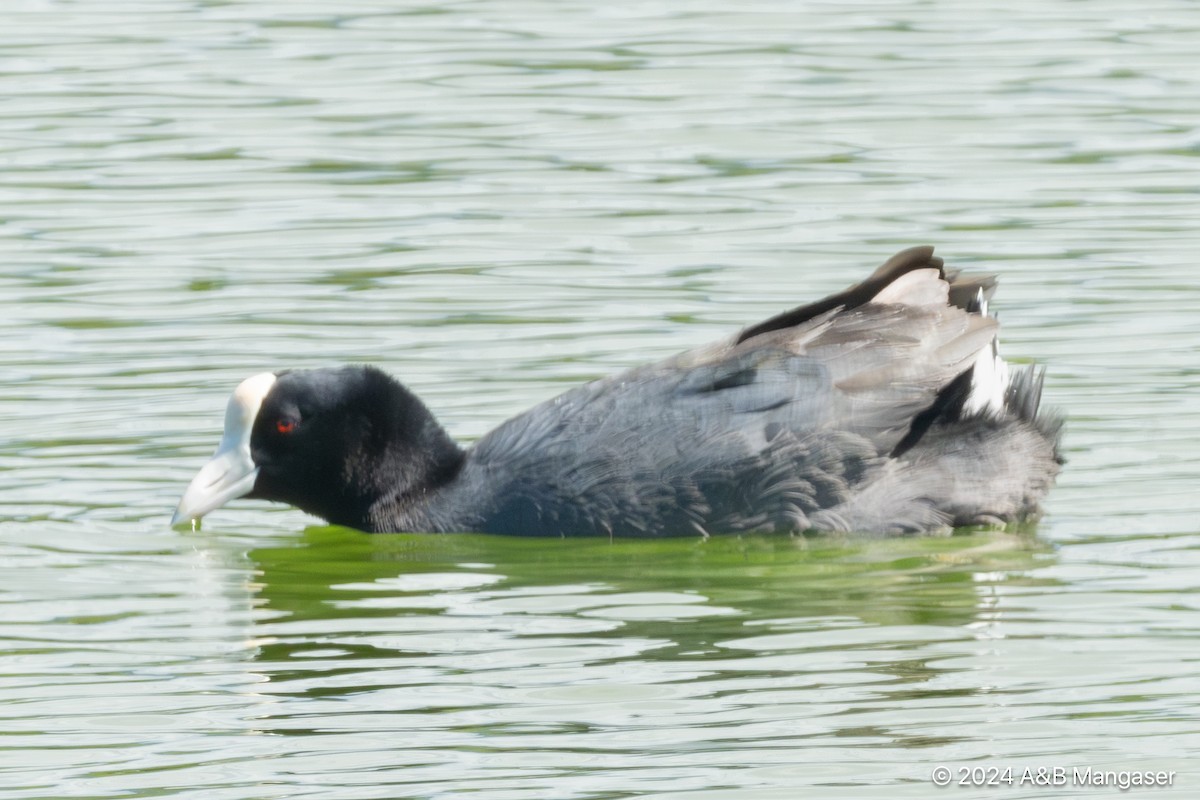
[883, 408]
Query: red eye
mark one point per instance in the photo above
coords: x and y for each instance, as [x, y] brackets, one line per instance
[285, 425]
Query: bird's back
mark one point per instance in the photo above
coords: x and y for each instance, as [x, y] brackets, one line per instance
[869, 410]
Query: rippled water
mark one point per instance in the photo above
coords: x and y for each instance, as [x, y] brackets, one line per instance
[496, 200]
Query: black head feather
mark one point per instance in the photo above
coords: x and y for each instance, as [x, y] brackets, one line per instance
[340, 443]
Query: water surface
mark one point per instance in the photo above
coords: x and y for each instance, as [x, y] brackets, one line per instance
[496, 201]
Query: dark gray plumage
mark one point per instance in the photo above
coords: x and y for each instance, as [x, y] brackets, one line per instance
[883, 408]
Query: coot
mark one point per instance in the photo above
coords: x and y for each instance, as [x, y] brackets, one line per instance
[883, 408]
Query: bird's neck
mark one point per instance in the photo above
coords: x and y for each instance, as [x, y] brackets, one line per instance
[410, 474]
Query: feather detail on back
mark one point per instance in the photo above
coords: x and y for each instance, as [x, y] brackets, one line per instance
[884, 407]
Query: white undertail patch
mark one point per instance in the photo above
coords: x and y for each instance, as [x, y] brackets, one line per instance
[990, 374]
[990, 377]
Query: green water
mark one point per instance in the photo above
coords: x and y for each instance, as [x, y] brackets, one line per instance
[496, 201]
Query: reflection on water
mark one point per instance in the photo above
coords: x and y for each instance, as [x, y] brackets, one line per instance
[496, 201]
[576, 651]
